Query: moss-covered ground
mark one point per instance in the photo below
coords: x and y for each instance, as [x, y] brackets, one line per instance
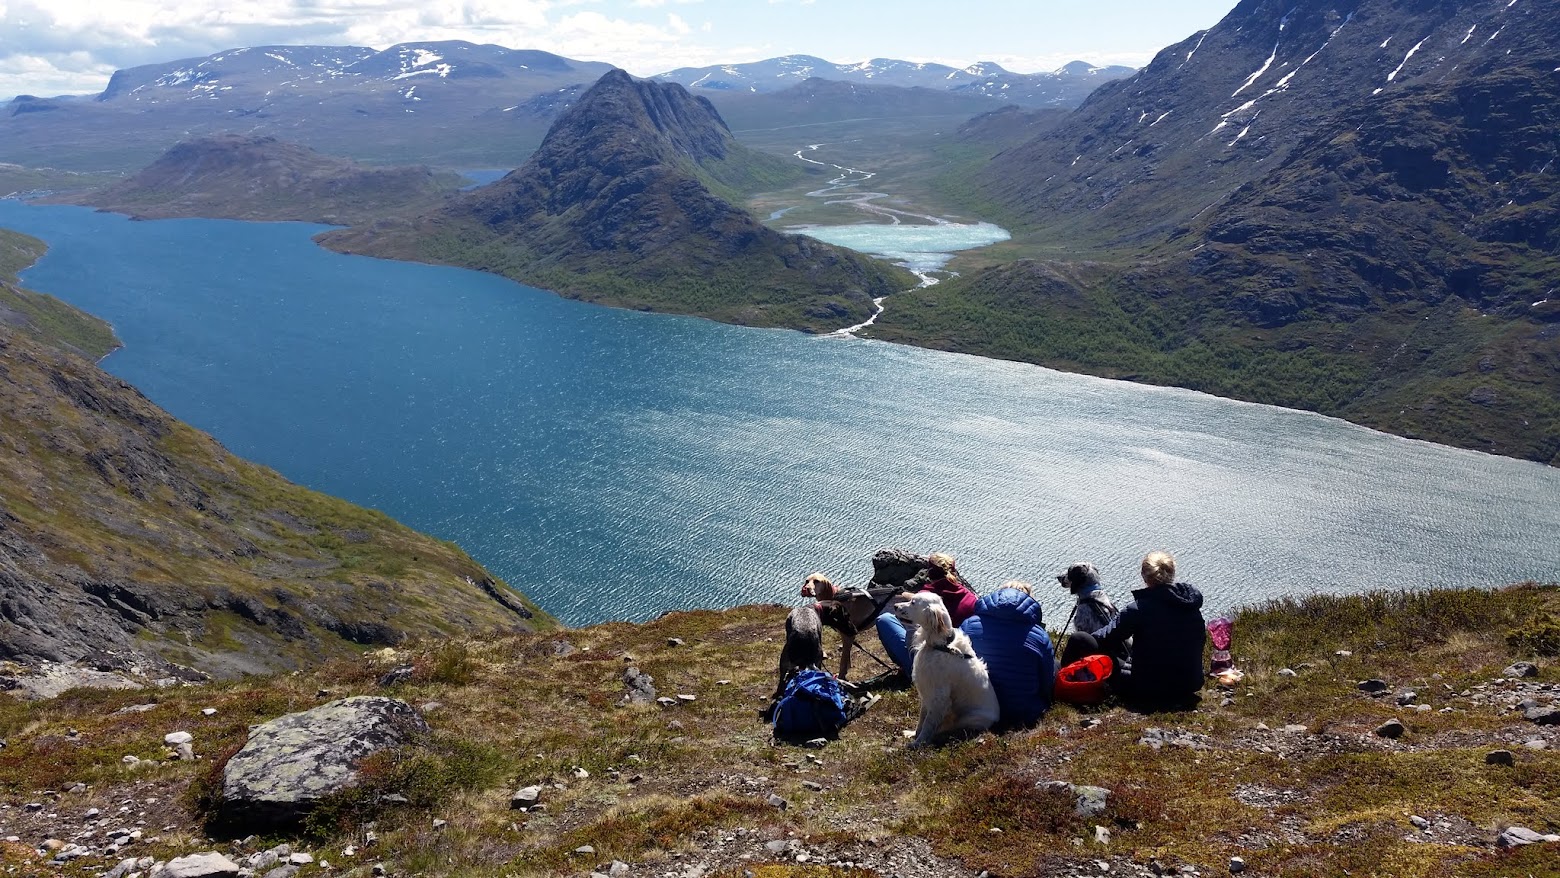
[668, 787]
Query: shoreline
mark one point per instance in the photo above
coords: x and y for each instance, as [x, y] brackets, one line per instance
[928, 344]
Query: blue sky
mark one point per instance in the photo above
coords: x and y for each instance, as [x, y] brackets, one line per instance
[72, 46]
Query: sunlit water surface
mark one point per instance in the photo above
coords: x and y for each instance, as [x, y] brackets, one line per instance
[614, 464]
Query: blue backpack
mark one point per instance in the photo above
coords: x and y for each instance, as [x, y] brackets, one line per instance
[813, 706]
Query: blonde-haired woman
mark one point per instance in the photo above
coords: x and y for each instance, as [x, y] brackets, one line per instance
[941, 578]
[1165, 624]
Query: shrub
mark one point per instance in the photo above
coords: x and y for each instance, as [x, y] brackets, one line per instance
[1540, 638]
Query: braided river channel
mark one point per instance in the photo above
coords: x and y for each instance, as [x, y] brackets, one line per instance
[615, 464]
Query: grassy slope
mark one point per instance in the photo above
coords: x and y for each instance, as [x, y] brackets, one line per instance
[98, 483]
[666, 787]
[1416, 370]
[264, 179]
[45, 317]
[105, 485]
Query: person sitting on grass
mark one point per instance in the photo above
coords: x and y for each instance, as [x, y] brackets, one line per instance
[1165, 624]
[1008, 633]
[943, 580]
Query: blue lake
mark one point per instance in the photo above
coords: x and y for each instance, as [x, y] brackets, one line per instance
[614, 464]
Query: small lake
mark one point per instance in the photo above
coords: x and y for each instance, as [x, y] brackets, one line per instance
[614, 464]
[920, 248]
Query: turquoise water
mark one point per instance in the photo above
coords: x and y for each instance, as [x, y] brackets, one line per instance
[917, 247]
[614, 464]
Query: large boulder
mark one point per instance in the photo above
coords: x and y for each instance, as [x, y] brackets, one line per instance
[208, 865]
[294, 761]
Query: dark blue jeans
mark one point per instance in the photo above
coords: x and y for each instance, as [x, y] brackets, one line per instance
[896, 640]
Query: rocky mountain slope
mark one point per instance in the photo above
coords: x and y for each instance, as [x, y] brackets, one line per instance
[130, 542]
[453, 103]
[1228, 105]
[231, 176]
[622, 204]
[1362, 223]
[1410, 735]
[1063, 87]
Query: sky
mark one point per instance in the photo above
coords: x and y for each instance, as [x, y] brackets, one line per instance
[50, 47]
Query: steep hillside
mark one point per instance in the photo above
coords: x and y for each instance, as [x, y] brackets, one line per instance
[130, 541]
[453, 103]
[622, 205]
[43, 317]
[1378, 246]
[1143, 155]
[233, 176]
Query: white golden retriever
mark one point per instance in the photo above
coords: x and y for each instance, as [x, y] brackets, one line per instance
[951, 681]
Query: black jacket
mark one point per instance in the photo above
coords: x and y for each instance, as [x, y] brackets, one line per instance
[1167, 631]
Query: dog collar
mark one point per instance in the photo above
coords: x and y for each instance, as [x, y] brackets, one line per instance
[944, 647]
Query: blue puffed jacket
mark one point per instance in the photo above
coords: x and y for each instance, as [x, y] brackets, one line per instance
[1007, 634]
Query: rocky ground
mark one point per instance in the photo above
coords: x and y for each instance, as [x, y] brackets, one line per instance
[1420, 742]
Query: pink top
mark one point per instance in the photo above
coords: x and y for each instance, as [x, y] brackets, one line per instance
[956, 596]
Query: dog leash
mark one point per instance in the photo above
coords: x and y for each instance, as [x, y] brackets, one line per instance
[1062, 642]
[868, 653]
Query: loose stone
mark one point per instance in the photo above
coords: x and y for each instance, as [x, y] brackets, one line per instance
[1521, 669]
[206, 865]
[1391, 729]
[1517, 836]
[1499, 757]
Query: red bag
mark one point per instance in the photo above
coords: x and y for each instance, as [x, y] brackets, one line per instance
[1084, 681]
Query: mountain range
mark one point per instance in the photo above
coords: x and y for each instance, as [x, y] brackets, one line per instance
[450, 103]
[628, 202]
[1065, 86]
[1348, 207]
[462, 104]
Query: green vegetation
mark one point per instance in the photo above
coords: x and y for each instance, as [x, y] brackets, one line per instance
[265, 179]
[17, 178]
[44, 317]
[659, 783]
[617, 207]
[759, 290]
[1445, 372]
[193, 556]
